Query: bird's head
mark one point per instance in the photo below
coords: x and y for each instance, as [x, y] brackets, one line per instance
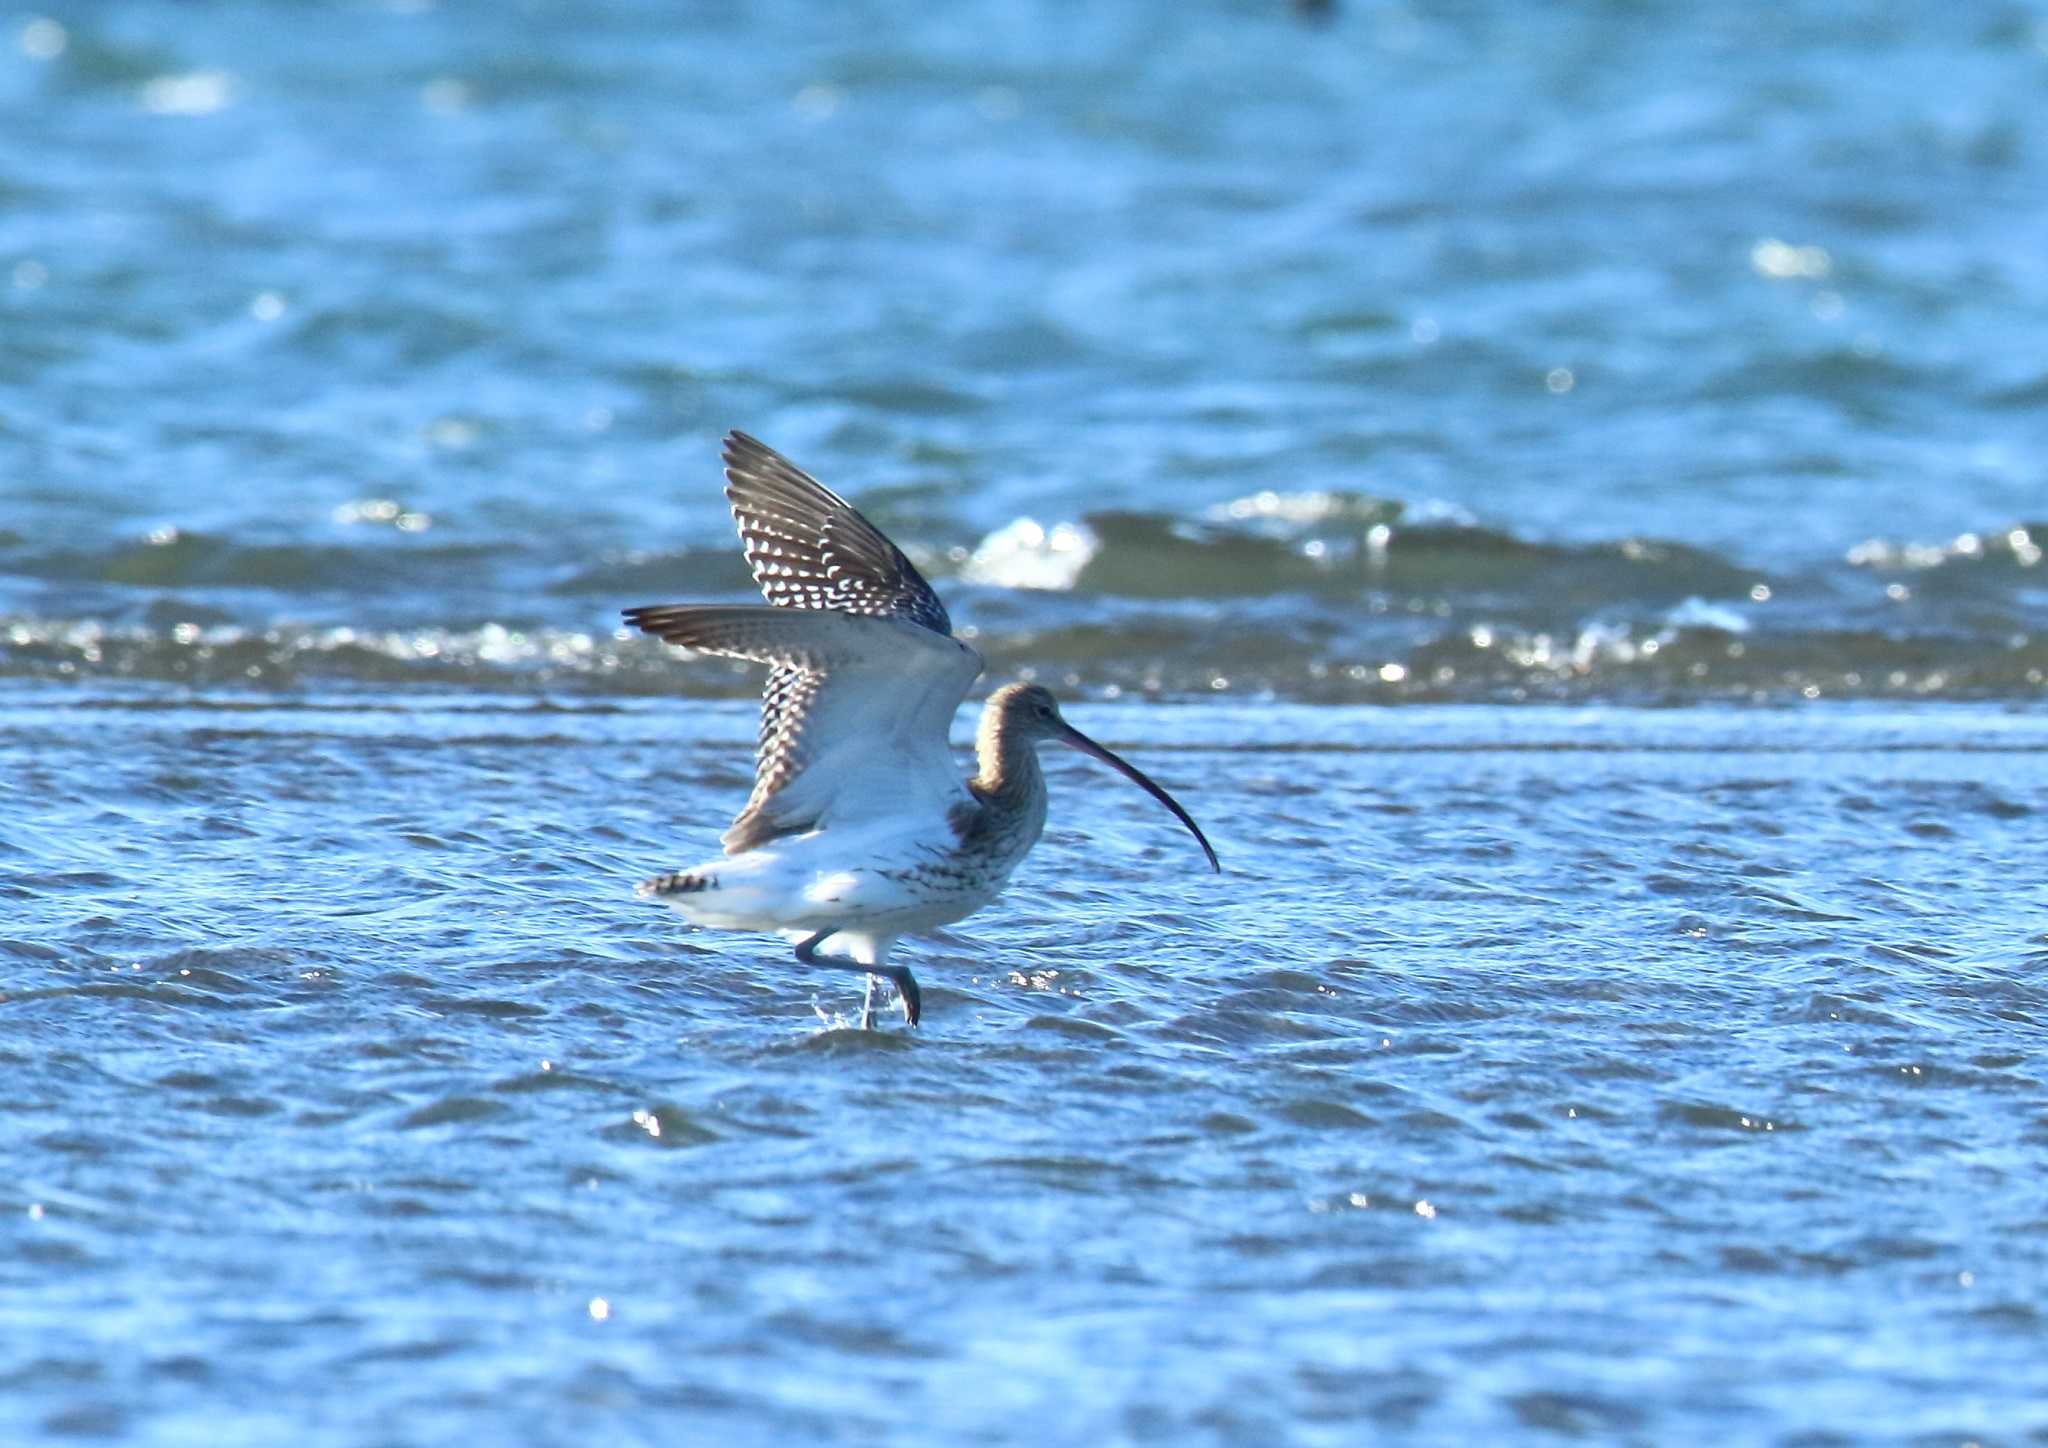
[1026, 712]
[1029, 713]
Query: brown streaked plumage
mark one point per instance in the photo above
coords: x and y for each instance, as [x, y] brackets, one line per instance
[859, 828]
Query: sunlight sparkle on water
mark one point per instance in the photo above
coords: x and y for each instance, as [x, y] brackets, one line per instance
[384, 510]
[197, 93]
[43, 38]
[1026, 554]
[1782, 261]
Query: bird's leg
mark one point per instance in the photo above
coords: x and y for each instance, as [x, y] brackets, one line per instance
[906, 987]
[906, 991]
[807, 952]
[899, 975]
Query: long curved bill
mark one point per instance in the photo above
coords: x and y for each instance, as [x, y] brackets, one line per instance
[1075, 739]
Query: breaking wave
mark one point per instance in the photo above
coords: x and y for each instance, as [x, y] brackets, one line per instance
[1310, 596]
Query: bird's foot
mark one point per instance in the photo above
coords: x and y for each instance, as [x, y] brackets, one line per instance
[906, 988]
[906, 991]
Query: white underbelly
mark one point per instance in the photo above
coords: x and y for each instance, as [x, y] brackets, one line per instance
[822, 881]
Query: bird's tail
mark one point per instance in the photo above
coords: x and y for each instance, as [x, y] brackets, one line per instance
[676, 882]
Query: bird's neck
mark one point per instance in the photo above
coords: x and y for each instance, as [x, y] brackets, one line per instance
[1008, 778]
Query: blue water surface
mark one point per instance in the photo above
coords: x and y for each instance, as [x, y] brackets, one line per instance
[1634, 1036]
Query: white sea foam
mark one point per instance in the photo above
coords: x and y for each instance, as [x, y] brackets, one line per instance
[1026, 554]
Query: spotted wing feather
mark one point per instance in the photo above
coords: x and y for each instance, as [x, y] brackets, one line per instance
[809, 548]
[856, 721]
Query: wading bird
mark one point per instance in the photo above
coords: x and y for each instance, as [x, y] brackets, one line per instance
[860, 828]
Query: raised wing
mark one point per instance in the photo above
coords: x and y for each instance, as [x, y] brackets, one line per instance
[810, 549]
[857, 719]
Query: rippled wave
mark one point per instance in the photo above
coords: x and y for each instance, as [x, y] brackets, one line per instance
[1314, 596]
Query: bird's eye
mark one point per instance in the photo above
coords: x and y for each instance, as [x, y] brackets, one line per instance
[1045, 711]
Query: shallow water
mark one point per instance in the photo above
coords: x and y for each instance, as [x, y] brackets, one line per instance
[1668, 1075]
[1633, 1036]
